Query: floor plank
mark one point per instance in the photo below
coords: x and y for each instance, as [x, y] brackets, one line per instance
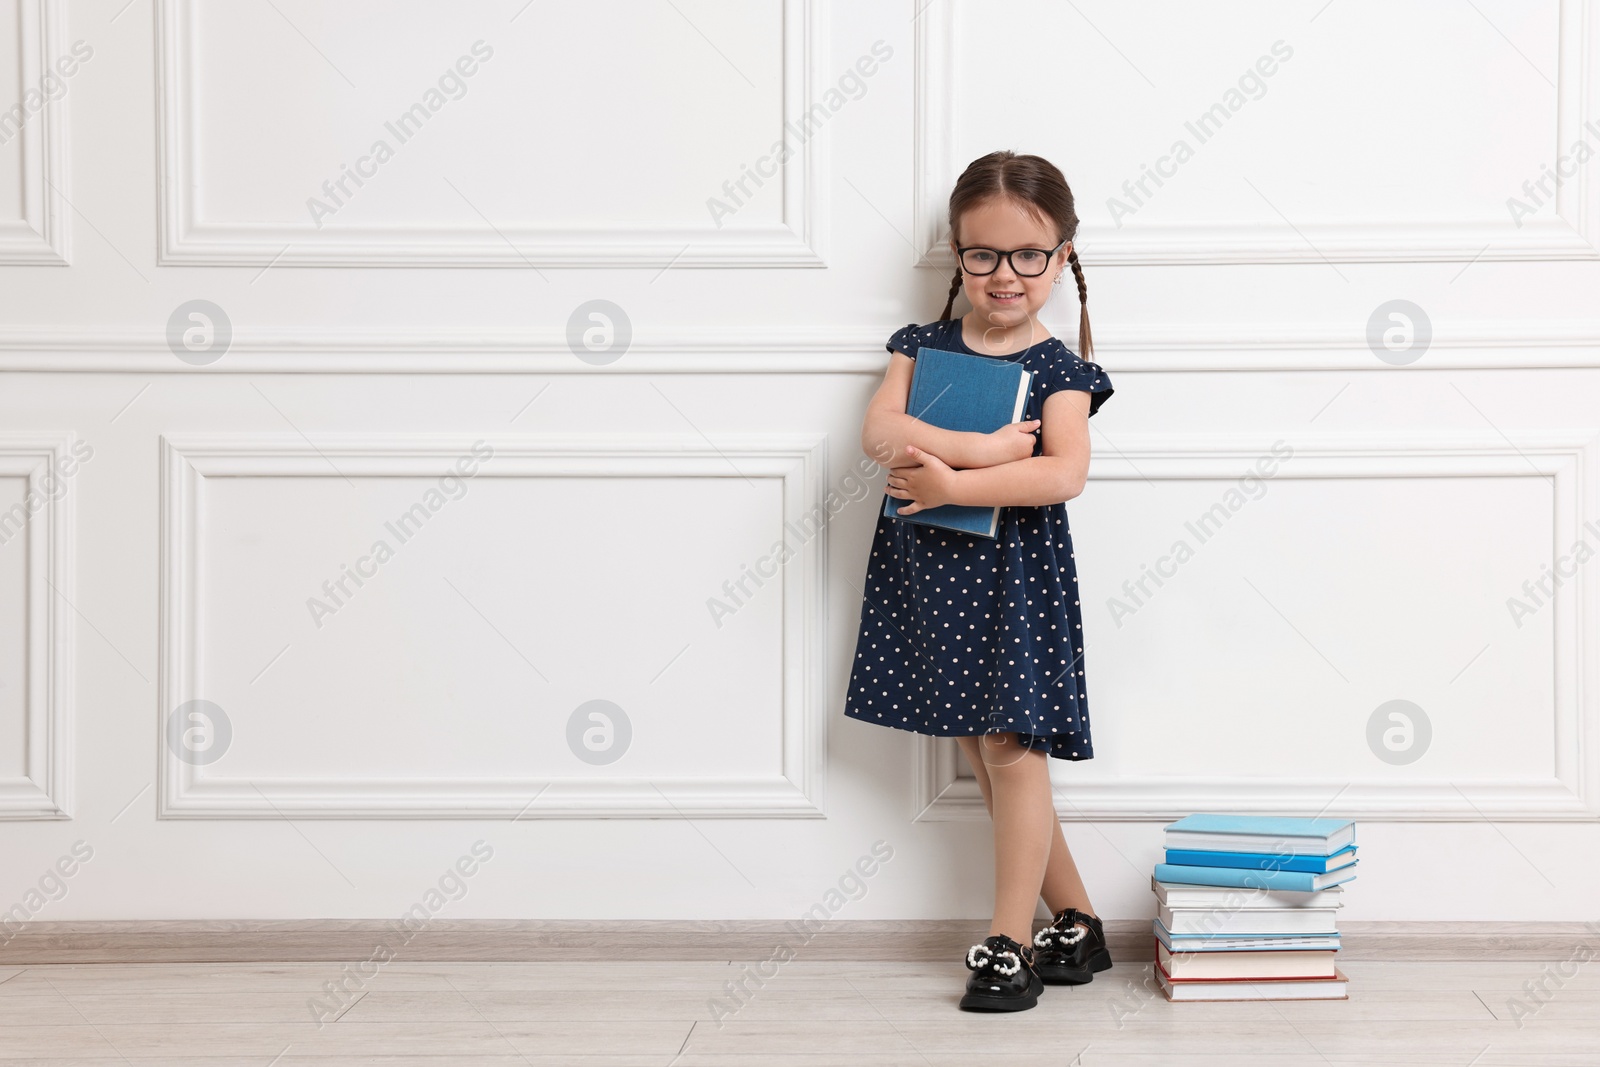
[806, 1013]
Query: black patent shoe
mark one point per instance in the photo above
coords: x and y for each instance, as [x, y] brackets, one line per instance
[1069, 954]
[1003, 976]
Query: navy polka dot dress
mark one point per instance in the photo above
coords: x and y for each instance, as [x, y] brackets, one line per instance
[966, 635]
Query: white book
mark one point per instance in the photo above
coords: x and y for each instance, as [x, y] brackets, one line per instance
[1242, 942]
[1247, 965]
[1181, 895]
[1248, 921]
[1335, 988]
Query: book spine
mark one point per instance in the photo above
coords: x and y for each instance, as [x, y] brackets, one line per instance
[1234, 876]
[1267, 826]
[1253, 844]
[1258, 861]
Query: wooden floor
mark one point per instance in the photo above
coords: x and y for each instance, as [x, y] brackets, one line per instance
[812, 1013]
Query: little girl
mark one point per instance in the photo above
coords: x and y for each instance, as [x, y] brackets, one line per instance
[979, 639]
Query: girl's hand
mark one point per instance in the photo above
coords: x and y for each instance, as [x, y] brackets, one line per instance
[1011, 442]
[927, 484]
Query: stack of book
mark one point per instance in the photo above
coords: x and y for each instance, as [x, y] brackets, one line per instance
[1246, 907]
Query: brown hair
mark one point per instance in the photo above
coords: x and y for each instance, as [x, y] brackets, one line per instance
[1036, 184]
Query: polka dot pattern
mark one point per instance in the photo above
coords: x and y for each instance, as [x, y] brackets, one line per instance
[964, 635]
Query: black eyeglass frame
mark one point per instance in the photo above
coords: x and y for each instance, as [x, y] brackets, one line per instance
[1049, 254]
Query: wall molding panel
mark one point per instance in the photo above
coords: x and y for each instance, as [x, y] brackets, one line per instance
[1571, 459]
[796, 461]
[800, 240]
[45, 789]
[40, 237]
[281, 263]
[1574, 234]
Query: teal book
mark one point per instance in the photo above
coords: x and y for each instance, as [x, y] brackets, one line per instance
[1296, 881]
[957, 391]
[1262, 861]
[1273, 834]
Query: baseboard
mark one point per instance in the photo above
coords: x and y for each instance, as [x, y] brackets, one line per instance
[249, 941]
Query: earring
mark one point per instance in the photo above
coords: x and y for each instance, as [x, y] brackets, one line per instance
[1058, 279]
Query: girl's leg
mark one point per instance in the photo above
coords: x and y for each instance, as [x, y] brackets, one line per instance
[1063, 887]
[1018, 798]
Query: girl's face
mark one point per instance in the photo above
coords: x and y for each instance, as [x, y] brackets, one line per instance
[1006, 298]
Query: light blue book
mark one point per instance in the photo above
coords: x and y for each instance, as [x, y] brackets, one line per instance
[1262, 861]
[956, 391]
[1296, 881]
[1272, 834]
[1238, 942]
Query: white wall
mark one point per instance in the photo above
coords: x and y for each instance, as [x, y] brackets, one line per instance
[368, 343]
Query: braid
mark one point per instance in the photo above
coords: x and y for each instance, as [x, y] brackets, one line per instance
[955, 287]
[1085, 341]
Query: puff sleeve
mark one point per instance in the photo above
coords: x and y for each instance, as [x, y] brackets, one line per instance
[1067, 371]
[906, 340]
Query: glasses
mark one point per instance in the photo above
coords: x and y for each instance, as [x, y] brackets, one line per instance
[1025, 262]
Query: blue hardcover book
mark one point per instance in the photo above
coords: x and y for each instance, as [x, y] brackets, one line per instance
[955, 391]
[1262, 861]
[1273, 834]
[1296, 881]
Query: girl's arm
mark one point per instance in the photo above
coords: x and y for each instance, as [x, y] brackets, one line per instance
[887, 430]
[1052, 478]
